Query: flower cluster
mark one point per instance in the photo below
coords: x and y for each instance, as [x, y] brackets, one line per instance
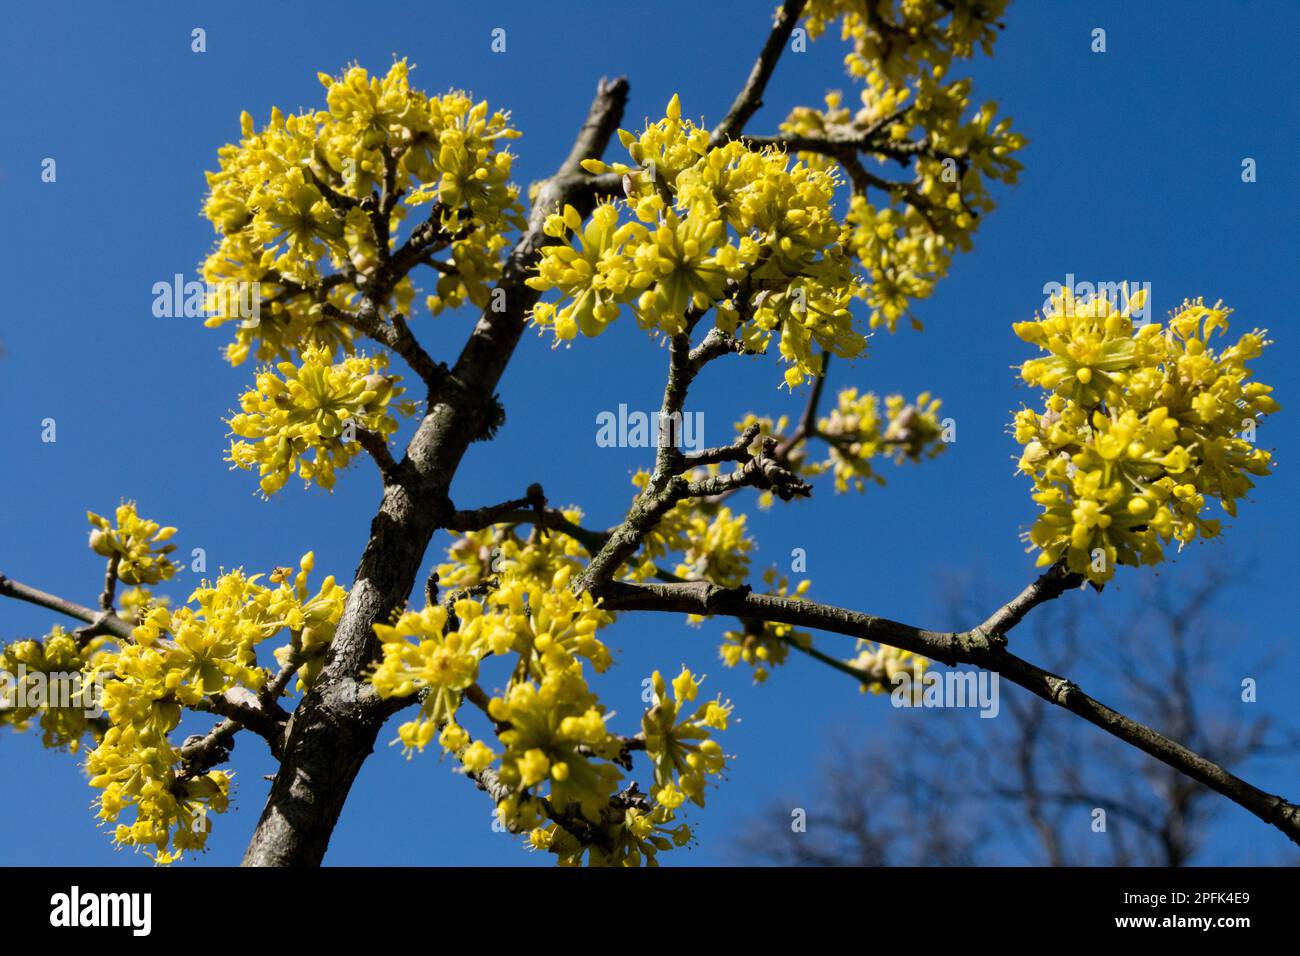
[557, 767]
[480, 556]
[48, 679]
[183, 659]
[746, 233]
[711, 539]
[297, 207]
[881, 664]
[1140, 427]
[139, 545]
[313, 410]
[902, 52]
[631, 833]
[858, 430]
[421, 656]
[765, 644]
[680, 742]
[898, 39]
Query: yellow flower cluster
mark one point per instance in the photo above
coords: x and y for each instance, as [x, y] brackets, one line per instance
[765, 644]
[716, 547]
[710, 538]
[743, 232]
[902, 52]
[47, 678]
[296, 199]
[133, 603]
[179, 659]
[421, 656]
[556, 728]
[480, 556]
[858, 430]
[546, 626]
[1141, 426]
[558, 763]
[310, 411]
[880, 664]
[899, 38]
[140, 545]
[631, 835]
[680, 743]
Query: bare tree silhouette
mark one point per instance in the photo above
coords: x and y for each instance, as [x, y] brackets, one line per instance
[1028, 787]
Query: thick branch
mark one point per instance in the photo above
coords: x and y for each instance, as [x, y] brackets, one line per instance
[335, 726]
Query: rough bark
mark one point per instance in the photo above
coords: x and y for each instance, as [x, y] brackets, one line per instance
[334, 728]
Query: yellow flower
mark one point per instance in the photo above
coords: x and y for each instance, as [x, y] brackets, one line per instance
[313, 410]
[1140, 428]
[680, 744]
[745, 233]
[139, 544]
[284, 206]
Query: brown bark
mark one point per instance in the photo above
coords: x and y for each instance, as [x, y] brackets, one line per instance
[334, 728]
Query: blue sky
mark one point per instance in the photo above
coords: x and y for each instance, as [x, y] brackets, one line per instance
[1133, 172]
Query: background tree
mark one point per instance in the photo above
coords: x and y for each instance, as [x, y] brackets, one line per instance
[1025, 787]
[1140, 427]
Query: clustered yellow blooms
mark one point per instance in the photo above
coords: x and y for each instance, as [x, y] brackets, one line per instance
[293, 206]
[766, 644]
[307, 413]
[881, 664]
[177, 659]
[559, 762]
[898, 38]
[858, 430]
[45, 679]
[903, 52]
[680, 743]
[1140, 427]
[140, 545]
[747, 233]
[711, 539]
[128, 695]
[132, 603]
[420, 656]
[556, 733]
[631, 835]
[480, 556]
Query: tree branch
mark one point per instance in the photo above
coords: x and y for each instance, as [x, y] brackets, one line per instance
[102, 622]
[378, 449]
[982, 646]
[110, 582]
[335, 726]
[1050, 585]
[750, 98]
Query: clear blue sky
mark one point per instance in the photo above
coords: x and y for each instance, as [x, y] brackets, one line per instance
[1133, 172]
